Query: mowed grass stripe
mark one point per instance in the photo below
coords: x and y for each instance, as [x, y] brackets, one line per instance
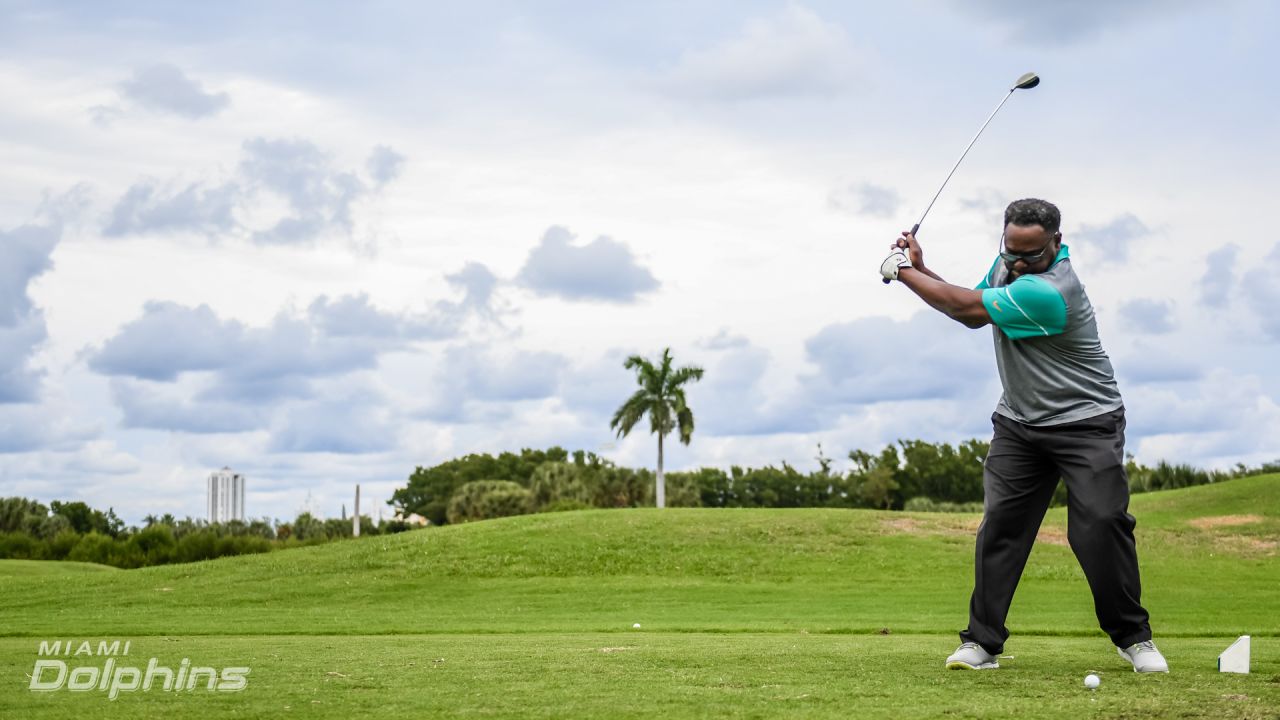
[646, 675]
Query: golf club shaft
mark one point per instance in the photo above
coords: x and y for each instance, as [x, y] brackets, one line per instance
[916, 227]
[957, 165]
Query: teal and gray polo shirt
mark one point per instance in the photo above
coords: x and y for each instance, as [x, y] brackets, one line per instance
[1051, 361]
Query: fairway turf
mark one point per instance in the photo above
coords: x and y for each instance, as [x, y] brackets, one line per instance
[28, 568]
[671, 675]
[747, 613]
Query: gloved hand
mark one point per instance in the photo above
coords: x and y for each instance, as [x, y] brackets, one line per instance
[896, 260]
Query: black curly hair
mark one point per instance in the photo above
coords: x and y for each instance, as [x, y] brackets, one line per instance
[1031, 211]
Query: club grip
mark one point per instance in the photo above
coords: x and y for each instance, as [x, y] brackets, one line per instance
[914, 228]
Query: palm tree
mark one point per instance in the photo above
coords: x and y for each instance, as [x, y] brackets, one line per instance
[661, 397]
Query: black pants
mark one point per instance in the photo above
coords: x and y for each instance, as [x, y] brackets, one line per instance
[1021, 473]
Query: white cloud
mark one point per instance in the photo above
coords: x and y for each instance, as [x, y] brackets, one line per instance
[165, 88]
[1147, 316]
[1113, 238]
[26, 428]
[1219, 276]
[723, 340]
[356, 421]
[877, 359]
[333, 337]
[794, 53]
[1227, 419]
[171, 408]
[313, 197]
[1070, 23]
[1262, 292]
[737, 398]
[167, 340]
[24, 255]
[866, 198]
[146, 207]
[484, 383]
[384, 165]
[602, 270]
[1156, 363]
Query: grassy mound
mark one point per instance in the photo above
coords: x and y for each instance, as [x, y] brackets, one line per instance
[743, 613]
[1208, 557]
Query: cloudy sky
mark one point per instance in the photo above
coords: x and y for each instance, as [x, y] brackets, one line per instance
[323, 245]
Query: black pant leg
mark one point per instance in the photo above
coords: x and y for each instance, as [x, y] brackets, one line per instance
[1090, 456]
[1018, 483]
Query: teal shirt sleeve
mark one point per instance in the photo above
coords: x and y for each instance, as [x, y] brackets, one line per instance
[1027, 307]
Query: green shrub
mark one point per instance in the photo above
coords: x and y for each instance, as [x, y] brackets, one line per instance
[430, 490]
[1167, 476]
[486, 499]
[307, 527]
[202, 545]
[924, 504]
[20, 546]
[62, 544]
[93, 547]
[682, 490]
[556, 481]
[156, 544]
[565, 505]
[620, 487]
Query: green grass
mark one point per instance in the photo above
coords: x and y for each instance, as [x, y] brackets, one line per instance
[749, 613]
[29, 568]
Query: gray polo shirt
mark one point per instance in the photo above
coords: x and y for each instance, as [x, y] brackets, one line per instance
[1051, 361]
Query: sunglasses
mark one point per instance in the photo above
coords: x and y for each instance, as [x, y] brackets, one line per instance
[1030, 258]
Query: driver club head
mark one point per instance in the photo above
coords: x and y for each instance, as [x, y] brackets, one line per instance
[1026, 82]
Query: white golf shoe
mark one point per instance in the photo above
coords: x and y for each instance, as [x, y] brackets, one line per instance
[971, 656]
[1145, 657]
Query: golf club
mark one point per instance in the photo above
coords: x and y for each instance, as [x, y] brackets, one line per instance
[1026, 82]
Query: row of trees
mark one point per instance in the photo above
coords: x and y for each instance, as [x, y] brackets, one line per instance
[911, 474]
[542, 480]
[482, 486]
[74, 531]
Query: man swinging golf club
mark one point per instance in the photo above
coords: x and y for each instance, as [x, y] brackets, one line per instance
[1061, 416]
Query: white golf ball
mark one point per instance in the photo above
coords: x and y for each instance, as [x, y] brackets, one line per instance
[1092, 681]
[636, 626]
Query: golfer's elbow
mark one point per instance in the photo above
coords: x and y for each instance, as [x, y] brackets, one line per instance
[966, 307]
[968, 315]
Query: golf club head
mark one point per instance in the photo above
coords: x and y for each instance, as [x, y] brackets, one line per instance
[1027, 81]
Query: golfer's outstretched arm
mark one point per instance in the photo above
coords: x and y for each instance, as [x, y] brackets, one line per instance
[960, 304]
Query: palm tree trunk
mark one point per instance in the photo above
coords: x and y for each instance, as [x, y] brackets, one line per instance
[662, 485]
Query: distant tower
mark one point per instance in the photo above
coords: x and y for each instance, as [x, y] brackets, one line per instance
[226, 496]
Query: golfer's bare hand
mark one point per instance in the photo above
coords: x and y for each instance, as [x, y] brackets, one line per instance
[908, 242]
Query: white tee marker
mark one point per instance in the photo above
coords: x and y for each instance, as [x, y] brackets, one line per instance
[1235, 659]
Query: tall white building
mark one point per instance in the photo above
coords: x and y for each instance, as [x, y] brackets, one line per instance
[226, 496]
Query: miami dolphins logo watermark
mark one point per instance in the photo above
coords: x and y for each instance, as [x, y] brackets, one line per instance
[104, 666]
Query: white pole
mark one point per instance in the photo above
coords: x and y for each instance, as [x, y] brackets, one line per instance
[355, 519]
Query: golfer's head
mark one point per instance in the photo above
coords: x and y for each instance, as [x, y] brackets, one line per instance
[1031, 236]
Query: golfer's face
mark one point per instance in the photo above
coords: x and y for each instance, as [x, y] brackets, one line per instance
[1028, 249]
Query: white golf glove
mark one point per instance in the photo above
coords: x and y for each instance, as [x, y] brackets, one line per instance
[889, 268]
